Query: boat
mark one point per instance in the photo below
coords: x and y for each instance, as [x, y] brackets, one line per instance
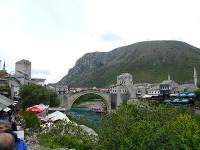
[98, 109]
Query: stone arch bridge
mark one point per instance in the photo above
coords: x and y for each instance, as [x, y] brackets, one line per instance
[68, 99]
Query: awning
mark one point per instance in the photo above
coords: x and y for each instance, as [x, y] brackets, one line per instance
[4, 102]
[37, 108]
[174, 94]
[57, 115]
[15, 103]
[167, 100]
[34, 109]
[6, 109]
[177, 100]
[187, 94]
[146, 96]
[185, 100]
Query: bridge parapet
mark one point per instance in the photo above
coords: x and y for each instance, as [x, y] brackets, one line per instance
[89, 91]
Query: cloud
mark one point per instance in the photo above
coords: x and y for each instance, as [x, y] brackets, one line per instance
[108, 36]
[53, 35]
[38, 71]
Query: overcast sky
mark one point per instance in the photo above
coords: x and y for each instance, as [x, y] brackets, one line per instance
[54, 34]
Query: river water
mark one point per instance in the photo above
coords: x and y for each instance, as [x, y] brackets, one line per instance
[86, 113]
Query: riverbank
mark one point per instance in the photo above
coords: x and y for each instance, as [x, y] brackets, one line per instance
[90, 104]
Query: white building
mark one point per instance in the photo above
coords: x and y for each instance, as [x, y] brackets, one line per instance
[38, 81]
[154, 91]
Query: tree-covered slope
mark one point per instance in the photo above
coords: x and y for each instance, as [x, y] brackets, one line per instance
[149, 61]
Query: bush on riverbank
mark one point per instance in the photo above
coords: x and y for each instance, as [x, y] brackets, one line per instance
[131, 126]
[84, 121]
[29, 120]
[67, 135]
[138, 126]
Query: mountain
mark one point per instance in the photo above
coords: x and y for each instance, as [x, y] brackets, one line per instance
[148, 61]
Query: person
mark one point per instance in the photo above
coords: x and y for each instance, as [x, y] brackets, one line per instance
[5, 127]
[7, 141]
[9, 118]
[14, 124]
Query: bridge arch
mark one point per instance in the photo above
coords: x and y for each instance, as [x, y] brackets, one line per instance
[73, 97]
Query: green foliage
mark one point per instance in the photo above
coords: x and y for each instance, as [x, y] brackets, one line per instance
[54, 101]
[5, 89]
[139, 126]
[197, 118]
[185, 109]
[33, 94]
[29, 120]
[86, 98]
[197, 92]
[67, 135]
[84, 121]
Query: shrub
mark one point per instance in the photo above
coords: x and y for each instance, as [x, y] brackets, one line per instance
[135, 126]
[84, 121]
[29, 120]
[67, 135]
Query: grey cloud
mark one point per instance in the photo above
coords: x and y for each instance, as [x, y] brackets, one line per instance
[37, 71]
[108, 36]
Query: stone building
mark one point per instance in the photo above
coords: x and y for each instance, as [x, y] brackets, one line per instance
[126, 90]
[166, 87]
[21, 76]
[23, 69]
[123, 90]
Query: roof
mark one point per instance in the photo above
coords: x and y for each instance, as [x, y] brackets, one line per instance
[190, 87]
[154, 88]
[23, 61]
[4, 102]
[168, 82]
[178, 88]
[2, 106]
[124, 74]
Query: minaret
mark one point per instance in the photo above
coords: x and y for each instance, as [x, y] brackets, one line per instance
[4, 66]
[195, 76]
[169, 77]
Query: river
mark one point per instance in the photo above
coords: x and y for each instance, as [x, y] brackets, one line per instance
[85, 112]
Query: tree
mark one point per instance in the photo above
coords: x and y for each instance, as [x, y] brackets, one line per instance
[197, 92]
[139, 126]
[5, 89]
[53, 99]
[33, 94]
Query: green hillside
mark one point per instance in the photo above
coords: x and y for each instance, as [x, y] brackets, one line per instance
[149, 61]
